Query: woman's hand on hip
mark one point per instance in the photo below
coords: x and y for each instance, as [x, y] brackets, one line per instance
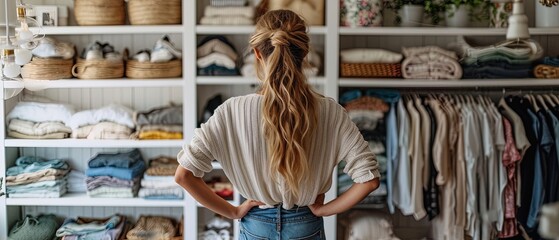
[243, 209]
[318, 206]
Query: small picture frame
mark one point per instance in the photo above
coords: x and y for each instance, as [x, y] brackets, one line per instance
[47, 15]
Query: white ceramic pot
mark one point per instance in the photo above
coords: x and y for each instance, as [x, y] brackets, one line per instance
[457, 16]
[412, 15]
[546, 16]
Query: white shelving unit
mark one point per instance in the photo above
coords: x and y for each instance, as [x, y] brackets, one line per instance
[193, 89]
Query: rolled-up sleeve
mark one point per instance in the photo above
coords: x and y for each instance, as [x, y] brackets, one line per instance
[197, 156]
[361, 163]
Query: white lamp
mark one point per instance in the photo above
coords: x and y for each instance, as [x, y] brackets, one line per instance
[518, 22]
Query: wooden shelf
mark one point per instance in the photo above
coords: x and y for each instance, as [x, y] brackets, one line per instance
[242, 30]
[94, 83]
[240, 80]
[463, 83]
[81, 199]
[85, 143]
[119, 29]
[438, 31]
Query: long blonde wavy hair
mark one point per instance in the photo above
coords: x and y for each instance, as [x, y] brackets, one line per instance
[289, 104]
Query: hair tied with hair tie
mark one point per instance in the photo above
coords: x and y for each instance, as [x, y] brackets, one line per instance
[280, 38]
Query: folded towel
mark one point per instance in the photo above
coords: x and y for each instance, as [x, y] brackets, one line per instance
[148, 192]
[365, 55]
[161, 127]
[213, 11]
[229, 20]
[113, 192]
[145, 135]
[158, 184]
[37, 128]
[100, 181]
[217, 59]
[216, 45]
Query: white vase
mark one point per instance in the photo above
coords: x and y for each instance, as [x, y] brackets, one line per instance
[457, 16]
[412, 15]
[546, 16]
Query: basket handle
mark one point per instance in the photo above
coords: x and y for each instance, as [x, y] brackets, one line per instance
[75, 69]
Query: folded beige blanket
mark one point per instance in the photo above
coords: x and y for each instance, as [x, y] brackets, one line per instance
[212, 11]
[430, 62]
[103, 130]
[226, 20]
[37, 128]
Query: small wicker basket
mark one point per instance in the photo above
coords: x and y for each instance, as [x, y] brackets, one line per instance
[135, 69]
[47, 69]
[99, 12]
[154, 12]
[98, 69]
[372, 70]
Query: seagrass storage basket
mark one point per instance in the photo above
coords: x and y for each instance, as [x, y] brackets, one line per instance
[135, 69]
[154, 12]
[99, 12]
[47, 69]
[372, 70]
[98, 69]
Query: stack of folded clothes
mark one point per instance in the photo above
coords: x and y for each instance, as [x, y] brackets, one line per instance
[159, 123]
[312, 65]
[76, 182]
[222, 188]
[159, 180]
[548, 68]
[42, 227]
[152, 227]
[216, 229]
[498, 61]
[368, 113]
[38, 120]
[35, 177]
[115, 175]
[111, 228]
[216, 57]
[430, 62]
[228, 12]
[110, 122]
[370, 62]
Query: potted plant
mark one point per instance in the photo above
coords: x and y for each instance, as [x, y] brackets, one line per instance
[410, 13]
[459, 13]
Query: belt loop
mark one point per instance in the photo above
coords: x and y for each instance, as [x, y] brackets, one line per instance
[278, 223]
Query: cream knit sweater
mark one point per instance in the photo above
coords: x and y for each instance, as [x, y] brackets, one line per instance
[234, 137]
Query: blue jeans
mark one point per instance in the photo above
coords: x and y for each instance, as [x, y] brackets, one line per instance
[277, 223]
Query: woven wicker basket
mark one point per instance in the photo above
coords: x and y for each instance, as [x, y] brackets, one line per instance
[373, 70]
[154, 12]
[135, 69]
[98, 69]
[99, 12]
[47, 69]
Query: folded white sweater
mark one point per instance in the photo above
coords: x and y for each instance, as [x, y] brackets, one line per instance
[217, 59]
[41, 112]
[112, 113]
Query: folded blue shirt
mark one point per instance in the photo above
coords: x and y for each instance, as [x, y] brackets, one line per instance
[28, 164]
[120, 160]
[123, 173]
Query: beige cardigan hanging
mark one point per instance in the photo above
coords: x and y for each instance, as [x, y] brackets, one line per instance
[312, 11]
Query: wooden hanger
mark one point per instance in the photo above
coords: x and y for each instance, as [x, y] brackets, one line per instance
[542, 102]
[549, 100]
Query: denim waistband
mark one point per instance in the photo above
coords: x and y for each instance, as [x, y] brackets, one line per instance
[278, 214]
